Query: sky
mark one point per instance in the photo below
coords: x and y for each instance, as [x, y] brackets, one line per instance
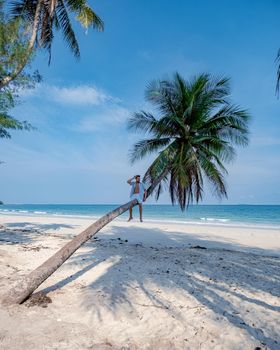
[79, 150]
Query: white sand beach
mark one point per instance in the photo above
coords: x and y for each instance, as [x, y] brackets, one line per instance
[143, 286]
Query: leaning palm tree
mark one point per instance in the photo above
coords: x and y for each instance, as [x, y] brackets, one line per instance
[195, 133]
[42, 17]
[194, 136]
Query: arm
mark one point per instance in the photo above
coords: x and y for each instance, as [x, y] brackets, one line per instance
[129, 181]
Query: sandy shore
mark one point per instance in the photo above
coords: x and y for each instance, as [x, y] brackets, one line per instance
[143, 286]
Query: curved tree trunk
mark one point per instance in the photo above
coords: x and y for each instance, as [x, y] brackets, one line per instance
[28, 284]
[6, 80]
[31, 282]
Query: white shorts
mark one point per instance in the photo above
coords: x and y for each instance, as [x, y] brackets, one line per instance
[136, 196]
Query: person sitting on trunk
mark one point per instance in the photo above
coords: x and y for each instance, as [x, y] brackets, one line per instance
[139, 192]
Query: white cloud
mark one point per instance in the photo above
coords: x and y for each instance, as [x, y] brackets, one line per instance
[74, 95]
[110, 116]
[97, 110]
[79, 95]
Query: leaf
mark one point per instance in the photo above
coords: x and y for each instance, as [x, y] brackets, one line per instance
[193, 135]
[88, 18]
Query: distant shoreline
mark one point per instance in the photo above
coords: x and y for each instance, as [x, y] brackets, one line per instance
[204, 223]
[148, 204]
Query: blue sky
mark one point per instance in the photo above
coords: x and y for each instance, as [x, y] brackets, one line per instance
[79, 153]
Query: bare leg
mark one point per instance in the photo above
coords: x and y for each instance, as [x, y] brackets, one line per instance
[130, 214]
[140, 211]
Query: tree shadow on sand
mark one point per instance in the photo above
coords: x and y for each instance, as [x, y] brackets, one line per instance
[190, 270]
[38, 226]
[28, 232]
[16, 236]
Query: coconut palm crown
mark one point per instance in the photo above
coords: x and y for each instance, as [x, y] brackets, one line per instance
[40, 19]
[46, 16]
[194, 135]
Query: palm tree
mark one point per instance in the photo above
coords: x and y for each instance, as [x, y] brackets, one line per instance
[194, 134]
[43, 17]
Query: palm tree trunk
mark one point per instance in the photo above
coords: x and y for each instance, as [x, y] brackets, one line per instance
[31, 282]
[6, 80]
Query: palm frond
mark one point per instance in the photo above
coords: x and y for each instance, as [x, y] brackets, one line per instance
[215, 145]
[46, 35]
[145, 147]
[88, 18]
[75, 5]
[155, 169]
[24, 9]
[65, 25]
[142, 121]
[161, 94]
[230, 123]
[215, 177]
[158, 192]
[85, 14]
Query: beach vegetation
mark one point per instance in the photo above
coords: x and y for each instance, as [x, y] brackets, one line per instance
[41, 19]
[193, 132]
[13, 50]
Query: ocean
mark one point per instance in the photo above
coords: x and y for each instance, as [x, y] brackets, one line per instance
[244, 215]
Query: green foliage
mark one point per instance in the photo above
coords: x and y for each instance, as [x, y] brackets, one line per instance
[54, 15]
[8, 122]
[13, 50]
[13, 46]
[193, 135]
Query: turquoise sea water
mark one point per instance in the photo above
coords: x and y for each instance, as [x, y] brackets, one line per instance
[256, 215]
